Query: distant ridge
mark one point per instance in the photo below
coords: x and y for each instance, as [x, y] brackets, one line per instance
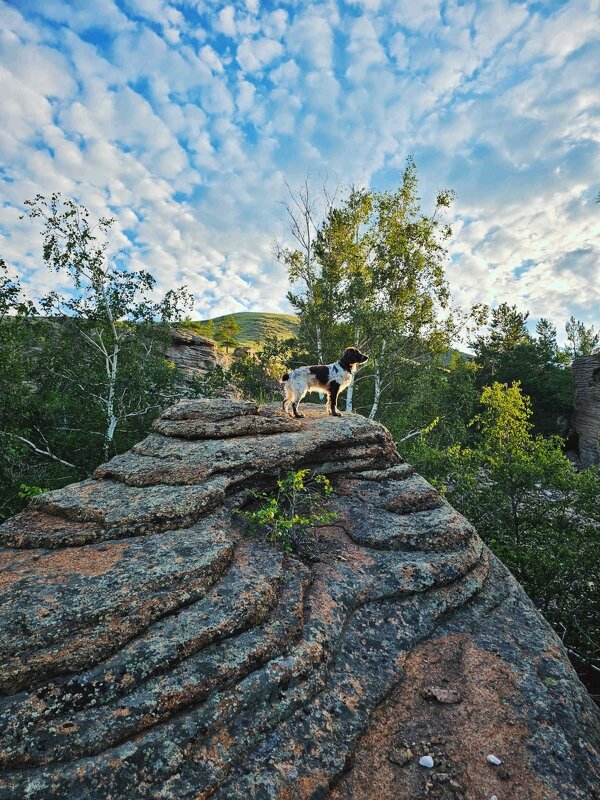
[257, 325]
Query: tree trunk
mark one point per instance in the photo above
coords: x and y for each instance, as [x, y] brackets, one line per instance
[377, 395]
[350, 390]
[319, 343]
[111, 418]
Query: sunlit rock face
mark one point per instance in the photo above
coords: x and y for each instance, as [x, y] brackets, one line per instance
[586, 417]
[193, 354]
[151, 650]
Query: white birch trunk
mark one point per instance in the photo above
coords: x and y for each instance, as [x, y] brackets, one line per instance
[112, 363]
[111, 417]
[377, 394]
[319, 343]
[350, 389]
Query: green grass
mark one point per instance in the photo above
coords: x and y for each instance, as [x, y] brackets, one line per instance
[256, 325]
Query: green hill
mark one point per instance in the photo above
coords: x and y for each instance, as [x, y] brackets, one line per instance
[256, 325]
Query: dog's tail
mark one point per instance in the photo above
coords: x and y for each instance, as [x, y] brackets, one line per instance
[286, 376]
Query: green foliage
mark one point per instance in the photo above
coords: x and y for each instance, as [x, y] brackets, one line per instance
[258, 374]
[84, 381]
[256, 326]
[433, 409]
[227, 332]
[582, 341]
[284, 518]
[371, 273]
[540, 516]
[27, 492]
[508, 352]
[205, 328]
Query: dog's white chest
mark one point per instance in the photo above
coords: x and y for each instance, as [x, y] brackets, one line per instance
[341, 376]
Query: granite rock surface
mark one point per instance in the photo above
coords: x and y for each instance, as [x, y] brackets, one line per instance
[152, 649]
[194, 354]
[586, 408]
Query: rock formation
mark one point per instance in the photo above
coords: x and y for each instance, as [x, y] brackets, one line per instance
[193, 353]
[150, 649]
[586, 416]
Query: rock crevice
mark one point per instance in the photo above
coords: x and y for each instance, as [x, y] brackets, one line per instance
[151, 649]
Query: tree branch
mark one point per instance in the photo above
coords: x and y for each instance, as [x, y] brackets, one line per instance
[37, 450]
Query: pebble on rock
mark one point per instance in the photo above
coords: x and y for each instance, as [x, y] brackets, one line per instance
[426, 761]
[492, 759]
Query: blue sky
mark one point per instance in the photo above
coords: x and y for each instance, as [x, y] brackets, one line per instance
[184, 120]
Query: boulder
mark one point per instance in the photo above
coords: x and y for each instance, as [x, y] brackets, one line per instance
[586, 405]
[151, 648]
[193, 354]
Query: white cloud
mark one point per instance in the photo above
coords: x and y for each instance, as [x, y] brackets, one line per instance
[311, 39]
[254, 54]
[364, 50]
[226, 21]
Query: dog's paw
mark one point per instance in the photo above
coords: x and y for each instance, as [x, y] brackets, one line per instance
[299, 416]
[335, 414]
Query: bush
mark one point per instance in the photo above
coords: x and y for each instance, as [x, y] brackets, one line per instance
[537, 514]
[285, 517]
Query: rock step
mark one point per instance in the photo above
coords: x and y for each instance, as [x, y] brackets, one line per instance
[242, 597]
[122, 511]
[85, 602]
[252, 422]
[437, 528]
[186, 684]
[40, 529]
[209, 410]
[167, 460]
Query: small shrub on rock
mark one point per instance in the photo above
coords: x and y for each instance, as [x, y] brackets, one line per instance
[285, 517]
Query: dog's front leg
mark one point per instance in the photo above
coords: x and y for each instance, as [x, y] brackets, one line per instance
[334, 389]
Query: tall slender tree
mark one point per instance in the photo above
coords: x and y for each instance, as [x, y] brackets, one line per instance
[378, 281]
[111, 307]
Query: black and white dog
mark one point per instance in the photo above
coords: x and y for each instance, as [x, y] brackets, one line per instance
[329, 378]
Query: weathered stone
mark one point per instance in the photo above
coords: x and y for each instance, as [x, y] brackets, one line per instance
[442, 695]
[207, 410]
[155, 651]
[586, 416]
[193, 354]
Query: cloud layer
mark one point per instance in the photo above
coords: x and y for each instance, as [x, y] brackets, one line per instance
[183, 120]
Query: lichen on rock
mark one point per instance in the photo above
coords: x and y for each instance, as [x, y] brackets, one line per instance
[151, 649]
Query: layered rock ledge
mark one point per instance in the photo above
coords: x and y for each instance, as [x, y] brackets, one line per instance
[150, 649]
[195, 355]
[586, 408]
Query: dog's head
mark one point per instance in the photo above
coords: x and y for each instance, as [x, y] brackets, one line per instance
[352, 355]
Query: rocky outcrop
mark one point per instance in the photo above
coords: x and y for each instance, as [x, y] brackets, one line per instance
[192, 353]
[586, 416]
[151, 649]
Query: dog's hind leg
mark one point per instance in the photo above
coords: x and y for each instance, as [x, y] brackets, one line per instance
[296, 403]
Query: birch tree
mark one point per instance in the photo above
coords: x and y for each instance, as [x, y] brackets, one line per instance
[379, 283]
[112, 309]
[305, 209]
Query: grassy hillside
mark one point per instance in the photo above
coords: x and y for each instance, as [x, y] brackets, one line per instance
[256, 325]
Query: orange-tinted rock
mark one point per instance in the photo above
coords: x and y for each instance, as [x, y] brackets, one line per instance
[150, 649]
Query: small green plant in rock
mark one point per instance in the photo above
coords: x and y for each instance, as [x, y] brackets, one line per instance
[286, 516]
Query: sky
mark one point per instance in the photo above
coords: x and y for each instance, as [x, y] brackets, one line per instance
[185, 119]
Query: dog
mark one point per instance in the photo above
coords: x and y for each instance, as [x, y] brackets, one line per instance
[328, 378]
